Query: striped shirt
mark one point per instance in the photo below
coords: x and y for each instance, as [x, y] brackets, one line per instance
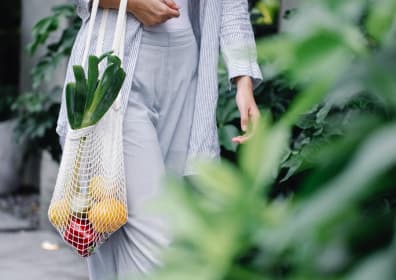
[219, 25]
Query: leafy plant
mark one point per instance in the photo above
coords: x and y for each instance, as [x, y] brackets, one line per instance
[334, 216]
[37, 114]
[8, 96]
[37, 111]
[56, 51]
[89, 98]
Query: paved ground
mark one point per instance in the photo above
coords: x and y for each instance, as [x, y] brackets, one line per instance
[22, 256]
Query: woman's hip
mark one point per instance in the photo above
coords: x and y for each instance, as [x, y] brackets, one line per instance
[166, 68]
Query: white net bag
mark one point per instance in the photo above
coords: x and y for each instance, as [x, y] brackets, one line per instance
[89, 199]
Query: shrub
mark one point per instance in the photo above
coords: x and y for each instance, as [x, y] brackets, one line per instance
[312, 195]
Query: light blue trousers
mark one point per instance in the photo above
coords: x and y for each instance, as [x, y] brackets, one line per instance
[157, 128]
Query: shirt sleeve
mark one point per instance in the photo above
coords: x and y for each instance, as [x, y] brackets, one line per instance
[237, 42]
[83, 8]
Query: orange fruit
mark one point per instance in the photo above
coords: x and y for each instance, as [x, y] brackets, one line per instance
[108, 215]
[59, 213]
[98, 189]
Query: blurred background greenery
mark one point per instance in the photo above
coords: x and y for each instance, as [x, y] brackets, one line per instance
[312, 195]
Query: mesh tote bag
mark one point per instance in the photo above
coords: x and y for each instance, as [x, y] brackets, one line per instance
[89, 200]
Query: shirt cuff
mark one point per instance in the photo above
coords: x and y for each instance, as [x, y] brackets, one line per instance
[252, 71]
[241, 60]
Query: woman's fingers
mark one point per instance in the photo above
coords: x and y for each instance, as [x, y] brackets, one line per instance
[169, 11]
[253, 117]
[152, 12]
[172, 13]
[171, 4]
[241, 138]
[244, 118]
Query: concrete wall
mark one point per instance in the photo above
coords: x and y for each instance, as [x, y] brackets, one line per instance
[10, 159]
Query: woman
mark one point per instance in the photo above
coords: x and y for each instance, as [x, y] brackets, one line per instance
[169, 99]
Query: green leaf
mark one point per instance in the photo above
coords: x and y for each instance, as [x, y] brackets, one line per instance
[93, 75]
[113, 59]
[261, 156]
[381, 18]
[111, 93]
[105, 94]
[71, 104]
[378, 264]
[374, 157]
[55, 51]
[228, 111]
[81, 92]
[220, 181]
[304, 102]
[226, 133]
[41, 31]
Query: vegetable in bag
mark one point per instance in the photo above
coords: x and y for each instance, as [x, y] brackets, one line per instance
[87, 100]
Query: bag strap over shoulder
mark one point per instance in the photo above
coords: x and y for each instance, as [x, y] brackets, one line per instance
[102, 31]
[119, 35]
[94, 11]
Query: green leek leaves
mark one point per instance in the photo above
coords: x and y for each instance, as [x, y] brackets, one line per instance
[89, 98]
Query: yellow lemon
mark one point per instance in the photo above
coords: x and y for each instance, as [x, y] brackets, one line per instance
[59, 213]
[108, 215]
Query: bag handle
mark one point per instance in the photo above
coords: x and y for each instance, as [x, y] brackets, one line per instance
[102, 29]
[119, 42]
[119, 35]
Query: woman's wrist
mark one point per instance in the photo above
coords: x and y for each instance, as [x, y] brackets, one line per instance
[244, 82]
[109, 4]
[131, 6]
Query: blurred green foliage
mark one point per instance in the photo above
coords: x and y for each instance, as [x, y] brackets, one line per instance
[312, 195]
[37, 111]
[8, 97]
[36, 119]
[55, 51]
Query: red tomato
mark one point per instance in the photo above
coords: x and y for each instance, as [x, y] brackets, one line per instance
[80, 235]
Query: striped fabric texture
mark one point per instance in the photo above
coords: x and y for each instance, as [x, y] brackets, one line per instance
[219, 25]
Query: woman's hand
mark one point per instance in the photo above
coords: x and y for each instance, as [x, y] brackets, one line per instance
[152, 12]
[247, 106]
[148, 12]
